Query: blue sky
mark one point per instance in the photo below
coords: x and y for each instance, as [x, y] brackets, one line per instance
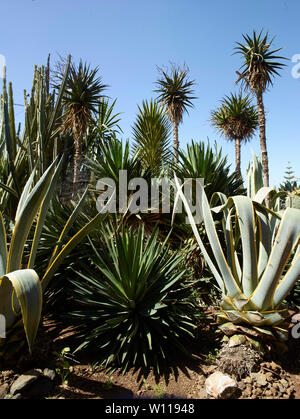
[127, 39]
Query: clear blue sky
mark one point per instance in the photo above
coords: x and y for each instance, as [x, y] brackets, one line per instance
[128, 38]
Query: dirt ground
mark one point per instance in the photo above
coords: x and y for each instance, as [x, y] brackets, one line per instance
[86, 382]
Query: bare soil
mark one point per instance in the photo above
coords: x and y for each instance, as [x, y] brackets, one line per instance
[187, 381]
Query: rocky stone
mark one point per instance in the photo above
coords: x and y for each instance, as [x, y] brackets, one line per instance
[259, 378]
[248, 390]
[49, 374]
[41, 387]
[4, 389]
[268, 393]
[284, 383]
[33, 383]
[210, 369]
[24, 381]
[269, 376]
[17, 396]
[258, 392]
[220, 386]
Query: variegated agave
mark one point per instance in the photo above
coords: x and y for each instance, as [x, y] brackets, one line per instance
[260, 266]
[20, 287]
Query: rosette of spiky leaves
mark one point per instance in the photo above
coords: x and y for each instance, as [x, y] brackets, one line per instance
[201, 161]
[261, 63]
[237, 120]
[175, 92]
[151, 136]
[261, 265]
[135, 309]
[81, 97]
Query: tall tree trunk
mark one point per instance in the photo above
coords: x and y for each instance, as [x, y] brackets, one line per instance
[238, 157]
[176, 141]
[262, 137]
[77, 165]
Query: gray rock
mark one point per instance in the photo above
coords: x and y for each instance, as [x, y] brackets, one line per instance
[49, 374]
[4, 389]
[40, 387]
[285, 383]
[17, 396]
[220, 386]
[259, 378]
[24, 381]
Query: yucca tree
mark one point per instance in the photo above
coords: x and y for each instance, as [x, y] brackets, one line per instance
[151, 136]
[237, 120]
[175, 93]
[81, 98]
[260, 65]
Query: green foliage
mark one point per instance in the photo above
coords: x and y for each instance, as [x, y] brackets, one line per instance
[252, 276]
[201, 161]
[135, 307]
[62, 364]
[38, 146]
[175, 91]
[260, 63]
[236, 118]
[151, 137]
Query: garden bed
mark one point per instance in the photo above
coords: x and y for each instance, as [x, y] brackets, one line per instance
[277, 380]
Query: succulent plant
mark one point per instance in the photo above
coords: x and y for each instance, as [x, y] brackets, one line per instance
[293, 199]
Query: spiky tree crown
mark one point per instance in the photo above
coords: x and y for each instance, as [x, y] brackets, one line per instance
[175, 91]
[83, 92]
[261, 63]
[236, 118]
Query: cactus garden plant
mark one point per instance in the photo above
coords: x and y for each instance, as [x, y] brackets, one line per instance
[260, 266]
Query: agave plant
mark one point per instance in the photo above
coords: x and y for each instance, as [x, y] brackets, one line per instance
[135, 309]
[201, 161]
[255, 284]
[20, 287]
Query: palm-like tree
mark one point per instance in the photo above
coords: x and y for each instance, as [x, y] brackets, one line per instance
[151, 135]
[261, 65]
[81, 98]
[175, 93]
[237, 120]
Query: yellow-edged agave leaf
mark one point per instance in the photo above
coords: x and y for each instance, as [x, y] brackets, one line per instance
[69, 225]
[26, 286]
[42, 214]
[254, 177]
[25, 194]
[52, 268]
[3, 247]
[24, 221]
[286, 241]
[265, 242]
[222, 274]
[246, 219]
[288, 282]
